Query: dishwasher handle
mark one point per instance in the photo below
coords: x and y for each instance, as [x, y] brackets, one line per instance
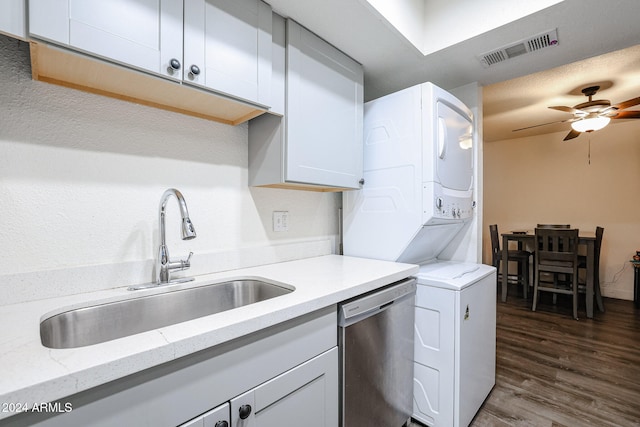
[369, 305]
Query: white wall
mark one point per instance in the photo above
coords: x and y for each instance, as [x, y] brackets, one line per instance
[81, 177]
[586, 182]
[406, 16]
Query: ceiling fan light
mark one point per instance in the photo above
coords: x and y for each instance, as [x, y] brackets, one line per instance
[590, 124]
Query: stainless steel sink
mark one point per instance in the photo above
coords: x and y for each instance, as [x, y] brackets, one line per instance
[104, 322]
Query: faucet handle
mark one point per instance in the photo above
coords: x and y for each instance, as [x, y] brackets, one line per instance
[186, 263]
[179, 265]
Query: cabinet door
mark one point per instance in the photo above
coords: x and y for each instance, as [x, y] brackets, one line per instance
[145, 34]
[324, 112]
[12, 18]
[229, 43]
[49, 20]
[216, 417]
[196, 422]
[306, 395]
[278, 64]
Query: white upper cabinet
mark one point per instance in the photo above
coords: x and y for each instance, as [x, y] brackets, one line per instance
[224, 45]
[12, 18]
[318, 143]
[324, 112]
[227, 47]
[278, 64]
[145, 34]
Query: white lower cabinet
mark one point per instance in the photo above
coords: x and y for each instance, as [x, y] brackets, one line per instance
[284, 375]
[306, 392]
[217, 417]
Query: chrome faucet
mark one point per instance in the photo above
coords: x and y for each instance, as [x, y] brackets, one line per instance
[164, 266]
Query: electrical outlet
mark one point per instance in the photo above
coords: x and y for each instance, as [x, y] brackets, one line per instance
[280, 221]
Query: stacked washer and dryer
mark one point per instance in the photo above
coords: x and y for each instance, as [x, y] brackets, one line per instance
[417, 199]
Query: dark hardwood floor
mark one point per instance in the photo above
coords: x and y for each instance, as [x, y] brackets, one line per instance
[552, 370]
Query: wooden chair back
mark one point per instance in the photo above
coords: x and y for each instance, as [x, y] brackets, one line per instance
[557, 253]
[598, 244]
[557, 249]
[495, 245]
[552, 226]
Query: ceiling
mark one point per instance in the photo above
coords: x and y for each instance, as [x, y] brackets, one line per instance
[598, 43]
[524, 101]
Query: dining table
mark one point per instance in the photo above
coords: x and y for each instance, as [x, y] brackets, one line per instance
[526, 239]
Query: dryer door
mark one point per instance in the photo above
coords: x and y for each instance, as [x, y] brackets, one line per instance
[454, 151]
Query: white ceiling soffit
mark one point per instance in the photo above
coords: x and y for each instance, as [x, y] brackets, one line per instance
[586, 28]
[428, 24]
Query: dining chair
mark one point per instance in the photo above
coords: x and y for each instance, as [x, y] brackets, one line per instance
[555, 276]
[582, 265]
[521, 257]
[557, 253]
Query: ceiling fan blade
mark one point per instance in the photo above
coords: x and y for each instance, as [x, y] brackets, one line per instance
[608, 112]
[627, 104]
[545, 124]
[573, 134]
[627, 115]
[563, 108]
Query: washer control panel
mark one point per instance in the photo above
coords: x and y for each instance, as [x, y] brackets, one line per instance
[442, 204]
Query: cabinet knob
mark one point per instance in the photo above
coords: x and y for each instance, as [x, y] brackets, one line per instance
[175, 64]
[195, 70]
[221, 424]
[245, 411]
[361, 182]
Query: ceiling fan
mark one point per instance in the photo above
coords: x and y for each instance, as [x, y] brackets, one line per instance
[593, 115]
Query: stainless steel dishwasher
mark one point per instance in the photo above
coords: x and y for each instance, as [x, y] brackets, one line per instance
[376, 357]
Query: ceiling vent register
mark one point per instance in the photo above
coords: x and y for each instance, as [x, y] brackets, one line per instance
[547, 39]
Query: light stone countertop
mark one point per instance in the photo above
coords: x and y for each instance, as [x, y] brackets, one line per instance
[31, 373]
